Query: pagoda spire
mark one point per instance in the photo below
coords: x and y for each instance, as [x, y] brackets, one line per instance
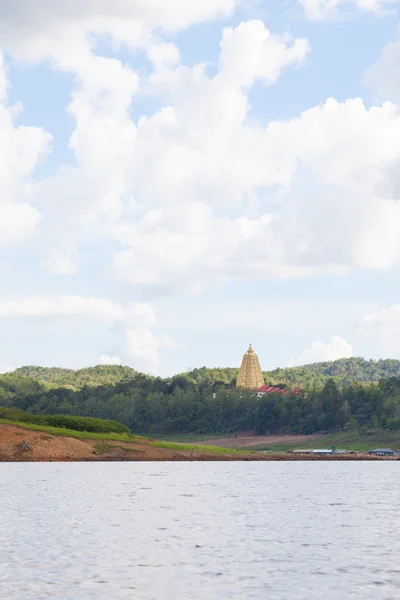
[250, 374]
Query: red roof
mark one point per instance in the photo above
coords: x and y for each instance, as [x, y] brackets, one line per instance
[270, 389]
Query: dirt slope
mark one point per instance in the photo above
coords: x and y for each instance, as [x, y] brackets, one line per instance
[18, 444]
[24, 445]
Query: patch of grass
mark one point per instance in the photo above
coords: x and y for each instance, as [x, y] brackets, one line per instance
[105, 448]
[348, 440]
[188, 437]
[123, 437]
[79, 435]
[198, 449]
[94, 425]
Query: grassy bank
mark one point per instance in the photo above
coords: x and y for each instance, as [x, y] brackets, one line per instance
[186, 438]
[353, 440]
[121, 437]
[79, 435]
[198, 449]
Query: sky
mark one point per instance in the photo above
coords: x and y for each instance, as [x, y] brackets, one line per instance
[180, 179]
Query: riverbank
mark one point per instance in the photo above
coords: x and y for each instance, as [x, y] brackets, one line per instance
[20, 444]
[358, 441]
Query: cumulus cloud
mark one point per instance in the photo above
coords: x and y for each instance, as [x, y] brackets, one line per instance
[109, 360]
[335, 211]
[21, 149]
[53, 307]
[134, 321]
[53, 29]
[100, 104]
[317, 10]
[141, 344]
[187, 191]
[197, 148]
[382, 327]
[325, 352]
[384, 76]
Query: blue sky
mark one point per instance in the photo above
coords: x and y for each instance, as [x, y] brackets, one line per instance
[176, 184]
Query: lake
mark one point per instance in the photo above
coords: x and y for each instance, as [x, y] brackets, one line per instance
[204, 531]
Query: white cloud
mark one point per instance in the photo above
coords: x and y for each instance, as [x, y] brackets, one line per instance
[333, 165]
[321, 352]
[250, 52]
[178, 156]
[383, 323]
[17, 222]
[109, 360]
[60, 256]
[215, 195]
[53, 307]
[317, 10]
[21, 148]
[135, 322]
[42, 29]
[6, 369]
[202, 171]
[384, 76]
[104, 134]
[381, 329]
[142, 345]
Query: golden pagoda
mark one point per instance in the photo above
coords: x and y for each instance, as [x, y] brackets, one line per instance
[250, 374]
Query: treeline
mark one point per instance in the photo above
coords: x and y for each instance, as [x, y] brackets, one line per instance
[91, 376]
[182, 405]
[343, 372]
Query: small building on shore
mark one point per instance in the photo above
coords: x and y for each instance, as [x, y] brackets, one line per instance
[382, 452]
[324, 451]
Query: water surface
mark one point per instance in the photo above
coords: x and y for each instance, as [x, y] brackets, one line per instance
[201, 531]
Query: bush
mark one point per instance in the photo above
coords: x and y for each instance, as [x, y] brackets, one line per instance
[89, 424]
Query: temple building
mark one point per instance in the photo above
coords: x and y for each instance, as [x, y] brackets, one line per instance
[250, 374]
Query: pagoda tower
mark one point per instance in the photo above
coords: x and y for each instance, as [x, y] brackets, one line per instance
[250, 374]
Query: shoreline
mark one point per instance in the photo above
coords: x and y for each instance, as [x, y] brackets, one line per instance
[183, 457]
[18, 444]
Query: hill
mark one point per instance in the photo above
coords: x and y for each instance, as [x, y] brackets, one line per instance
[206, 400]
[91, 376]
[343, 371]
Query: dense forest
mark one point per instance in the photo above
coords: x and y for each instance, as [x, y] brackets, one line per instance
[91, 376]
[343, 371]
[205, 400]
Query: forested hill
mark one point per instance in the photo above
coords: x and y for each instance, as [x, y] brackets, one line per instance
[91, 376]
[343, 371]
[206, 400]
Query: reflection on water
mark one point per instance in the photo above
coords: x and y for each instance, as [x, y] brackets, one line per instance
[200, 531]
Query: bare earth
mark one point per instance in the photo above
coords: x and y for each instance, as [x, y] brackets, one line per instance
[254, 441]
[24, 445]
